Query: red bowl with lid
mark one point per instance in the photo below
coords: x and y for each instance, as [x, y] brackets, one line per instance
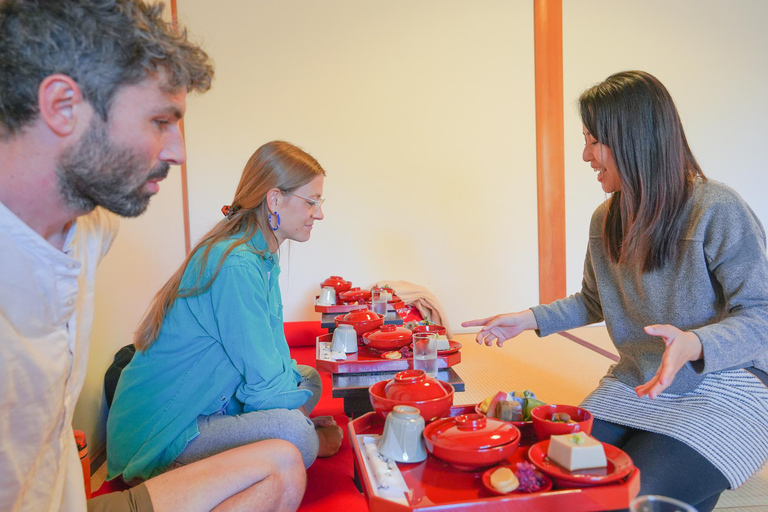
[337, 283]
[386, 289]
[355, 294]
[413, 385]
[545, 427]
[471, 441]
[437, 329]
[363, 320]
[430, 408]
[388, 337]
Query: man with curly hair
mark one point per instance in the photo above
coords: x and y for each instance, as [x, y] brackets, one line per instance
[92, 93]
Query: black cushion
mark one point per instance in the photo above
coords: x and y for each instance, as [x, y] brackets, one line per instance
[121, 360]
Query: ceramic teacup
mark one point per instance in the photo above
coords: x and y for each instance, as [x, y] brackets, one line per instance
[327, 296]
[402, 439]
[344, 339]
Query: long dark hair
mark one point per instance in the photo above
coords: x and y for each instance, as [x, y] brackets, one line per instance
[633, 114]
[276, 164]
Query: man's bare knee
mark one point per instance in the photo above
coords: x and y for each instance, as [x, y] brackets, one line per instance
[289, 471]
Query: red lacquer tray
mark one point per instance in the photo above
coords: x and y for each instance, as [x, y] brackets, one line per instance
[340, 307]
[435, 485]
[368, 360]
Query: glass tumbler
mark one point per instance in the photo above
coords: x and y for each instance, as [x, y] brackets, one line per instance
[425, 352]
[379, 300]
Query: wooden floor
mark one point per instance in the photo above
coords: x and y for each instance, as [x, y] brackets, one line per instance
[558, 370]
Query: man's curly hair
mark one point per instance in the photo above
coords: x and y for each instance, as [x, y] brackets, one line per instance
[101, 44]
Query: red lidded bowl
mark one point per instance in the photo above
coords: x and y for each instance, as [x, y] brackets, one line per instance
[363, 320]
[545, 427]
[413, 385]
[337, 283]
[430, 409]
[388, 290]
[388, 337]
[437, 329]
[355, 294]
[471, 441]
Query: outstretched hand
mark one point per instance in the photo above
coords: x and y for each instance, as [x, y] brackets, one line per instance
[500, 328]
[682, 346]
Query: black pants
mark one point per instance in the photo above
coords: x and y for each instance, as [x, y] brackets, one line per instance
[667, 467]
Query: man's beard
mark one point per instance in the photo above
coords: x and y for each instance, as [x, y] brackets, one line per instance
[96, 172]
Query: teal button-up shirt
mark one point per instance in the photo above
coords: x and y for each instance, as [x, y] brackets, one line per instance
[221, 350]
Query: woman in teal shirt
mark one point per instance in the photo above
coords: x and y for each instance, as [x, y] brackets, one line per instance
[212, 369]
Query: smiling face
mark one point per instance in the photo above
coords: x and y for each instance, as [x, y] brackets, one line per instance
[297, 215]
[118, 164]
[600, 157]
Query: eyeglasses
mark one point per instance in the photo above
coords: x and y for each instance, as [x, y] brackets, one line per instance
[314, 204]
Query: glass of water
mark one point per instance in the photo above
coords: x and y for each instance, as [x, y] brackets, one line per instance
[652, 503]
[425, 352]
[379, 298]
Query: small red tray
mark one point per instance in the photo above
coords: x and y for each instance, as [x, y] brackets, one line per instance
[368, 360]
[392, 305]
[436, 485]
[338, 308]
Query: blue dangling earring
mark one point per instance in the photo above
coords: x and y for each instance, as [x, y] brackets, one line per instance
[274, 228]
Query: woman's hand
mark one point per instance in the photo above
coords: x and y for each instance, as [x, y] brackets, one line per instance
[329, 435]
[502, 327]
[682, 346]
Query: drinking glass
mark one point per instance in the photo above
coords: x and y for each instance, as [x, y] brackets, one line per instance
[425, 352]
[653, 503]
[379, 300]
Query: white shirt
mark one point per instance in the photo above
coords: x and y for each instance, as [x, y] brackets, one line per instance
[46, 314]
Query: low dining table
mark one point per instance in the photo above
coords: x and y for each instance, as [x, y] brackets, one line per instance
[352, 387]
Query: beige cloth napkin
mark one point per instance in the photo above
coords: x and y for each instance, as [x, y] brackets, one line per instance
[422, 299]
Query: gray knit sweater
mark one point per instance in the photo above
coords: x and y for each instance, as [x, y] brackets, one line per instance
[717, 288]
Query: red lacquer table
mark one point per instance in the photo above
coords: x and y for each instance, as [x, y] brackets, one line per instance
[435, 485]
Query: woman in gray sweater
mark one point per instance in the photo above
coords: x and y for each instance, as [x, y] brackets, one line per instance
[677, 268]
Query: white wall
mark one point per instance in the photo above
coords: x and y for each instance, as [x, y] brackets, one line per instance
[146, 252]
[710, 54]
[422, 115]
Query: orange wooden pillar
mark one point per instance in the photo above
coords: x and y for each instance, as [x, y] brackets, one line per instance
[184, 187]
[550, 167]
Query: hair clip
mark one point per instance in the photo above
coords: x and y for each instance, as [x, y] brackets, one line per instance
[229, 211]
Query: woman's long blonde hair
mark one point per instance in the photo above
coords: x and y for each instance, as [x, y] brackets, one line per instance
[276, 164]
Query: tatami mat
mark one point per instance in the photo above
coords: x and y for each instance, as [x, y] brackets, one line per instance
[559, 370]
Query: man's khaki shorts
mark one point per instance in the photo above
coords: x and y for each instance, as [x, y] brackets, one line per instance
[135, 499]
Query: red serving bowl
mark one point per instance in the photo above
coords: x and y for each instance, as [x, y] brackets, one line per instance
[430, 409]
[388, 337]
[545, 427]
[437, 329]
[413, 385]
[355, 294]
[471, 441]
[337, 283]
[363, 320]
